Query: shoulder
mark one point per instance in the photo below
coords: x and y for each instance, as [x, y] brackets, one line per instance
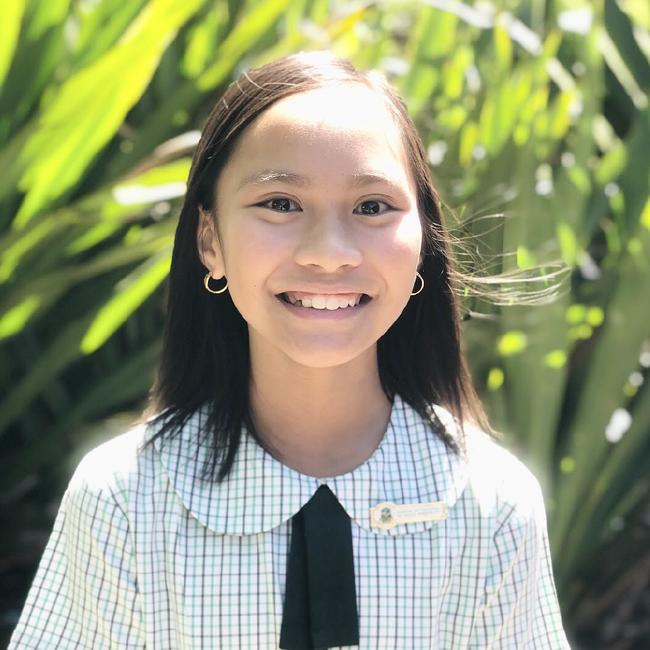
[499, 484]
[108, 472]
[503, 484]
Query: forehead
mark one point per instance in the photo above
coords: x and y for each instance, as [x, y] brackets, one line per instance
[347, 109]
[329, 130]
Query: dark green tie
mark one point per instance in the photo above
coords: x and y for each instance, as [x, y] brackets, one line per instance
[320, 605]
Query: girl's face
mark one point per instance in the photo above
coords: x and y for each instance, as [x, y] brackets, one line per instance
[316, 198]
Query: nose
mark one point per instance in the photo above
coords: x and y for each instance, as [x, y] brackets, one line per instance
[328, 241]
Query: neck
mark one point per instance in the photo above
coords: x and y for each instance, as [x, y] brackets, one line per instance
[319, 421]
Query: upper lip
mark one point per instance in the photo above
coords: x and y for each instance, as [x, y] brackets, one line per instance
[326, 291]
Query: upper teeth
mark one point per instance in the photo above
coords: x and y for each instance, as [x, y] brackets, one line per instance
[326, 302]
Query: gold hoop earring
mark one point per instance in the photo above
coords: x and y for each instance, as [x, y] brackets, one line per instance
[206, 280]
[421, 287]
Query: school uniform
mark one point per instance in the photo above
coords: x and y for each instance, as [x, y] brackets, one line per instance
[145, 554]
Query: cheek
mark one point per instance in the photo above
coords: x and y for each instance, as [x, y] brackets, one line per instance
[402, 245]
[252, 252]
[409, 232]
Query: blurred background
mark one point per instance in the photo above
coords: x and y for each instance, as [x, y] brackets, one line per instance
[535, 118]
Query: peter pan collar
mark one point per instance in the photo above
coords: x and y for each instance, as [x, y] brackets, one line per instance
[411, 465]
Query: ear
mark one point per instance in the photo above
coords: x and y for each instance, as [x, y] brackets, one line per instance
[208, 245]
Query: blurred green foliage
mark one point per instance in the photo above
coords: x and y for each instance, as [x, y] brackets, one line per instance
[535, 117]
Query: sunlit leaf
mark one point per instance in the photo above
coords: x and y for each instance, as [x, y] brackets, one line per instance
[576, 314]
[495, 379]
[560, 114]
[15, 319]
[11, 14]
[612, 163]
[500, 111]
[468, 141]
[95, 99]
[431, 39]
[502, 46]
[260, 19]
[101, 24]
[568, 243]
[618, 66]
[202, 42]
[555, 359]
[512, 343]
[580, 179]
[129, 294]
[595, 316]
[645, 215]
[567, 465]
[45, 15]
[525, 258]
[453, 72]
[16, 245]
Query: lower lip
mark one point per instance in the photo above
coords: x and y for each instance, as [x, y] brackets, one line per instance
[323, 314]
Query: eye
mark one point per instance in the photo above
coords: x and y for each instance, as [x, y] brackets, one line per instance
[278, 204]
[283, 204]
[371, 207]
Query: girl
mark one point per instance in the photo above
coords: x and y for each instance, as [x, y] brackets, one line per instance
[315, 469]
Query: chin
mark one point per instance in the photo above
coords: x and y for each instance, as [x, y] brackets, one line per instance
[328, 356]
[313, 350]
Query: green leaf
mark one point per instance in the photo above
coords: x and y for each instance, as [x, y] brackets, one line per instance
[500, 111]
[568, 243]
[512, 342]
[619, 341]
[560, 114]
[58, 352]
[16, 245]
[437, 34]
[502, 45]
[495, 379]
[453, 72]
[96, 100]
[129, 294]
[612, 163]
[595, 316]
[468, 141]
[555, 359]
[432, 37]
[638, 11]
[202, 42]
[101, 25]
[621, 30]
[620, 70]
[525, 259]
[11, 14]
[256, 23]
[645, 215]
[580, 179]
[49, 286]
[15, 319]
[576, 314]
[45, 15]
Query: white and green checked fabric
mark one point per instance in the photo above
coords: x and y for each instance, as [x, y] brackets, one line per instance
[144, 554]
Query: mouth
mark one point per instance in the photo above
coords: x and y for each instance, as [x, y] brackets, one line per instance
[331, 305]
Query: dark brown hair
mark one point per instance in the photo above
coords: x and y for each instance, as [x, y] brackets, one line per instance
[205, 354]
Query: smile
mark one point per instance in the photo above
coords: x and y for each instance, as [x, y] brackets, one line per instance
[325, 301]
[332, 309]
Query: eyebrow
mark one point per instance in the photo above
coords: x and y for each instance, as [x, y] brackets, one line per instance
[291, 178]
